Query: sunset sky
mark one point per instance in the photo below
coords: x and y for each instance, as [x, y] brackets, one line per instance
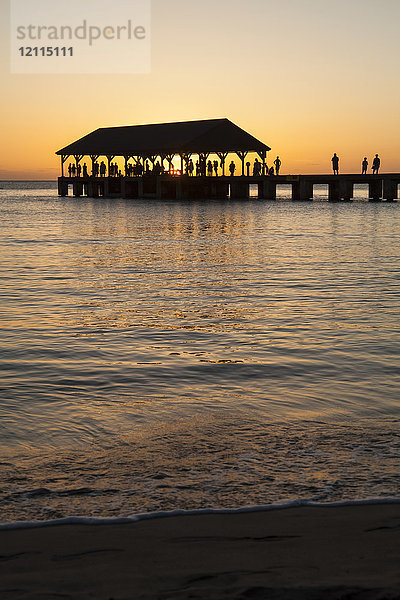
[307, 77]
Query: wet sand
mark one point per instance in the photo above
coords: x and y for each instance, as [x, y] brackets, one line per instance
[301, 553]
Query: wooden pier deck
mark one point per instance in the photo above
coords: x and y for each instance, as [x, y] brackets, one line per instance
[382, 187]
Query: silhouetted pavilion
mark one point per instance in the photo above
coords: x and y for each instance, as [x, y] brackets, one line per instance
[218, 137]
[164, 141]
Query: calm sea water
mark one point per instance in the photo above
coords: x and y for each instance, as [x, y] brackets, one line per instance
[160, 355]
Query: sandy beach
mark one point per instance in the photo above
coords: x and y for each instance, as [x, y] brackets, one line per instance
[303, 552]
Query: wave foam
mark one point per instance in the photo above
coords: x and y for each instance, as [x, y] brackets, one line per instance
[203, 511]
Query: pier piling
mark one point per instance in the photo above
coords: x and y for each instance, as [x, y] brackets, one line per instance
[165, 186]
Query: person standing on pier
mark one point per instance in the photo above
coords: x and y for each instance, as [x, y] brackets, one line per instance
[335, 164]
[364, 166]
[232, 168]
[376, 164]
[256, 168]
[277, 163]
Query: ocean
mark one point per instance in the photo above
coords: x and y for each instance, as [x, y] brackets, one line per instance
[164, 355]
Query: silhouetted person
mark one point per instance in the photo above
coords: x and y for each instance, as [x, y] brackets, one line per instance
[248, 168]
[84, 170]
[335, 164]
[232, 168]
[215, 163]
[364, 166]
[376, 164]
[78, 170]
[70, 170]
[209, 168]
[256, 168]
[277, 163]
[103, 169]
[96, 169]
[73, 170]
[191, 167]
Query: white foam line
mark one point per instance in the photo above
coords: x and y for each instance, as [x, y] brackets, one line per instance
[201, 511]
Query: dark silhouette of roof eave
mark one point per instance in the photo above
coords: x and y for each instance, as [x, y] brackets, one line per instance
[213, 135]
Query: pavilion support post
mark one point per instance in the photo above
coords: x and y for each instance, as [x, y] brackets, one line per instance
[186, 158]
[137, 162]
[126, 157]
[263, 156]
[109, 158]
[162, 158]
[78, 158]
[170, 158]
[222, 157]
[242, 156]
[64, 157]
[203, 162]
[94, 158]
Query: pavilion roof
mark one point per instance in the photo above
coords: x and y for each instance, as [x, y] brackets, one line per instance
[212, 135]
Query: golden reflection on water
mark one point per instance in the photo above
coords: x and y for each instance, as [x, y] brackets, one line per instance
[278, 308]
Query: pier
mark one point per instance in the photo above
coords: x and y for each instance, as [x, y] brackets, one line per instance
[203, 149]
[340, 187]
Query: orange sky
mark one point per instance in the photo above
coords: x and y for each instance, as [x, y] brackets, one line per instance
[307, 77]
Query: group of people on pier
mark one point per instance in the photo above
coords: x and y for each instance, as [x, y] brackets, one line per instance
[376, 163]
[202, 167]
